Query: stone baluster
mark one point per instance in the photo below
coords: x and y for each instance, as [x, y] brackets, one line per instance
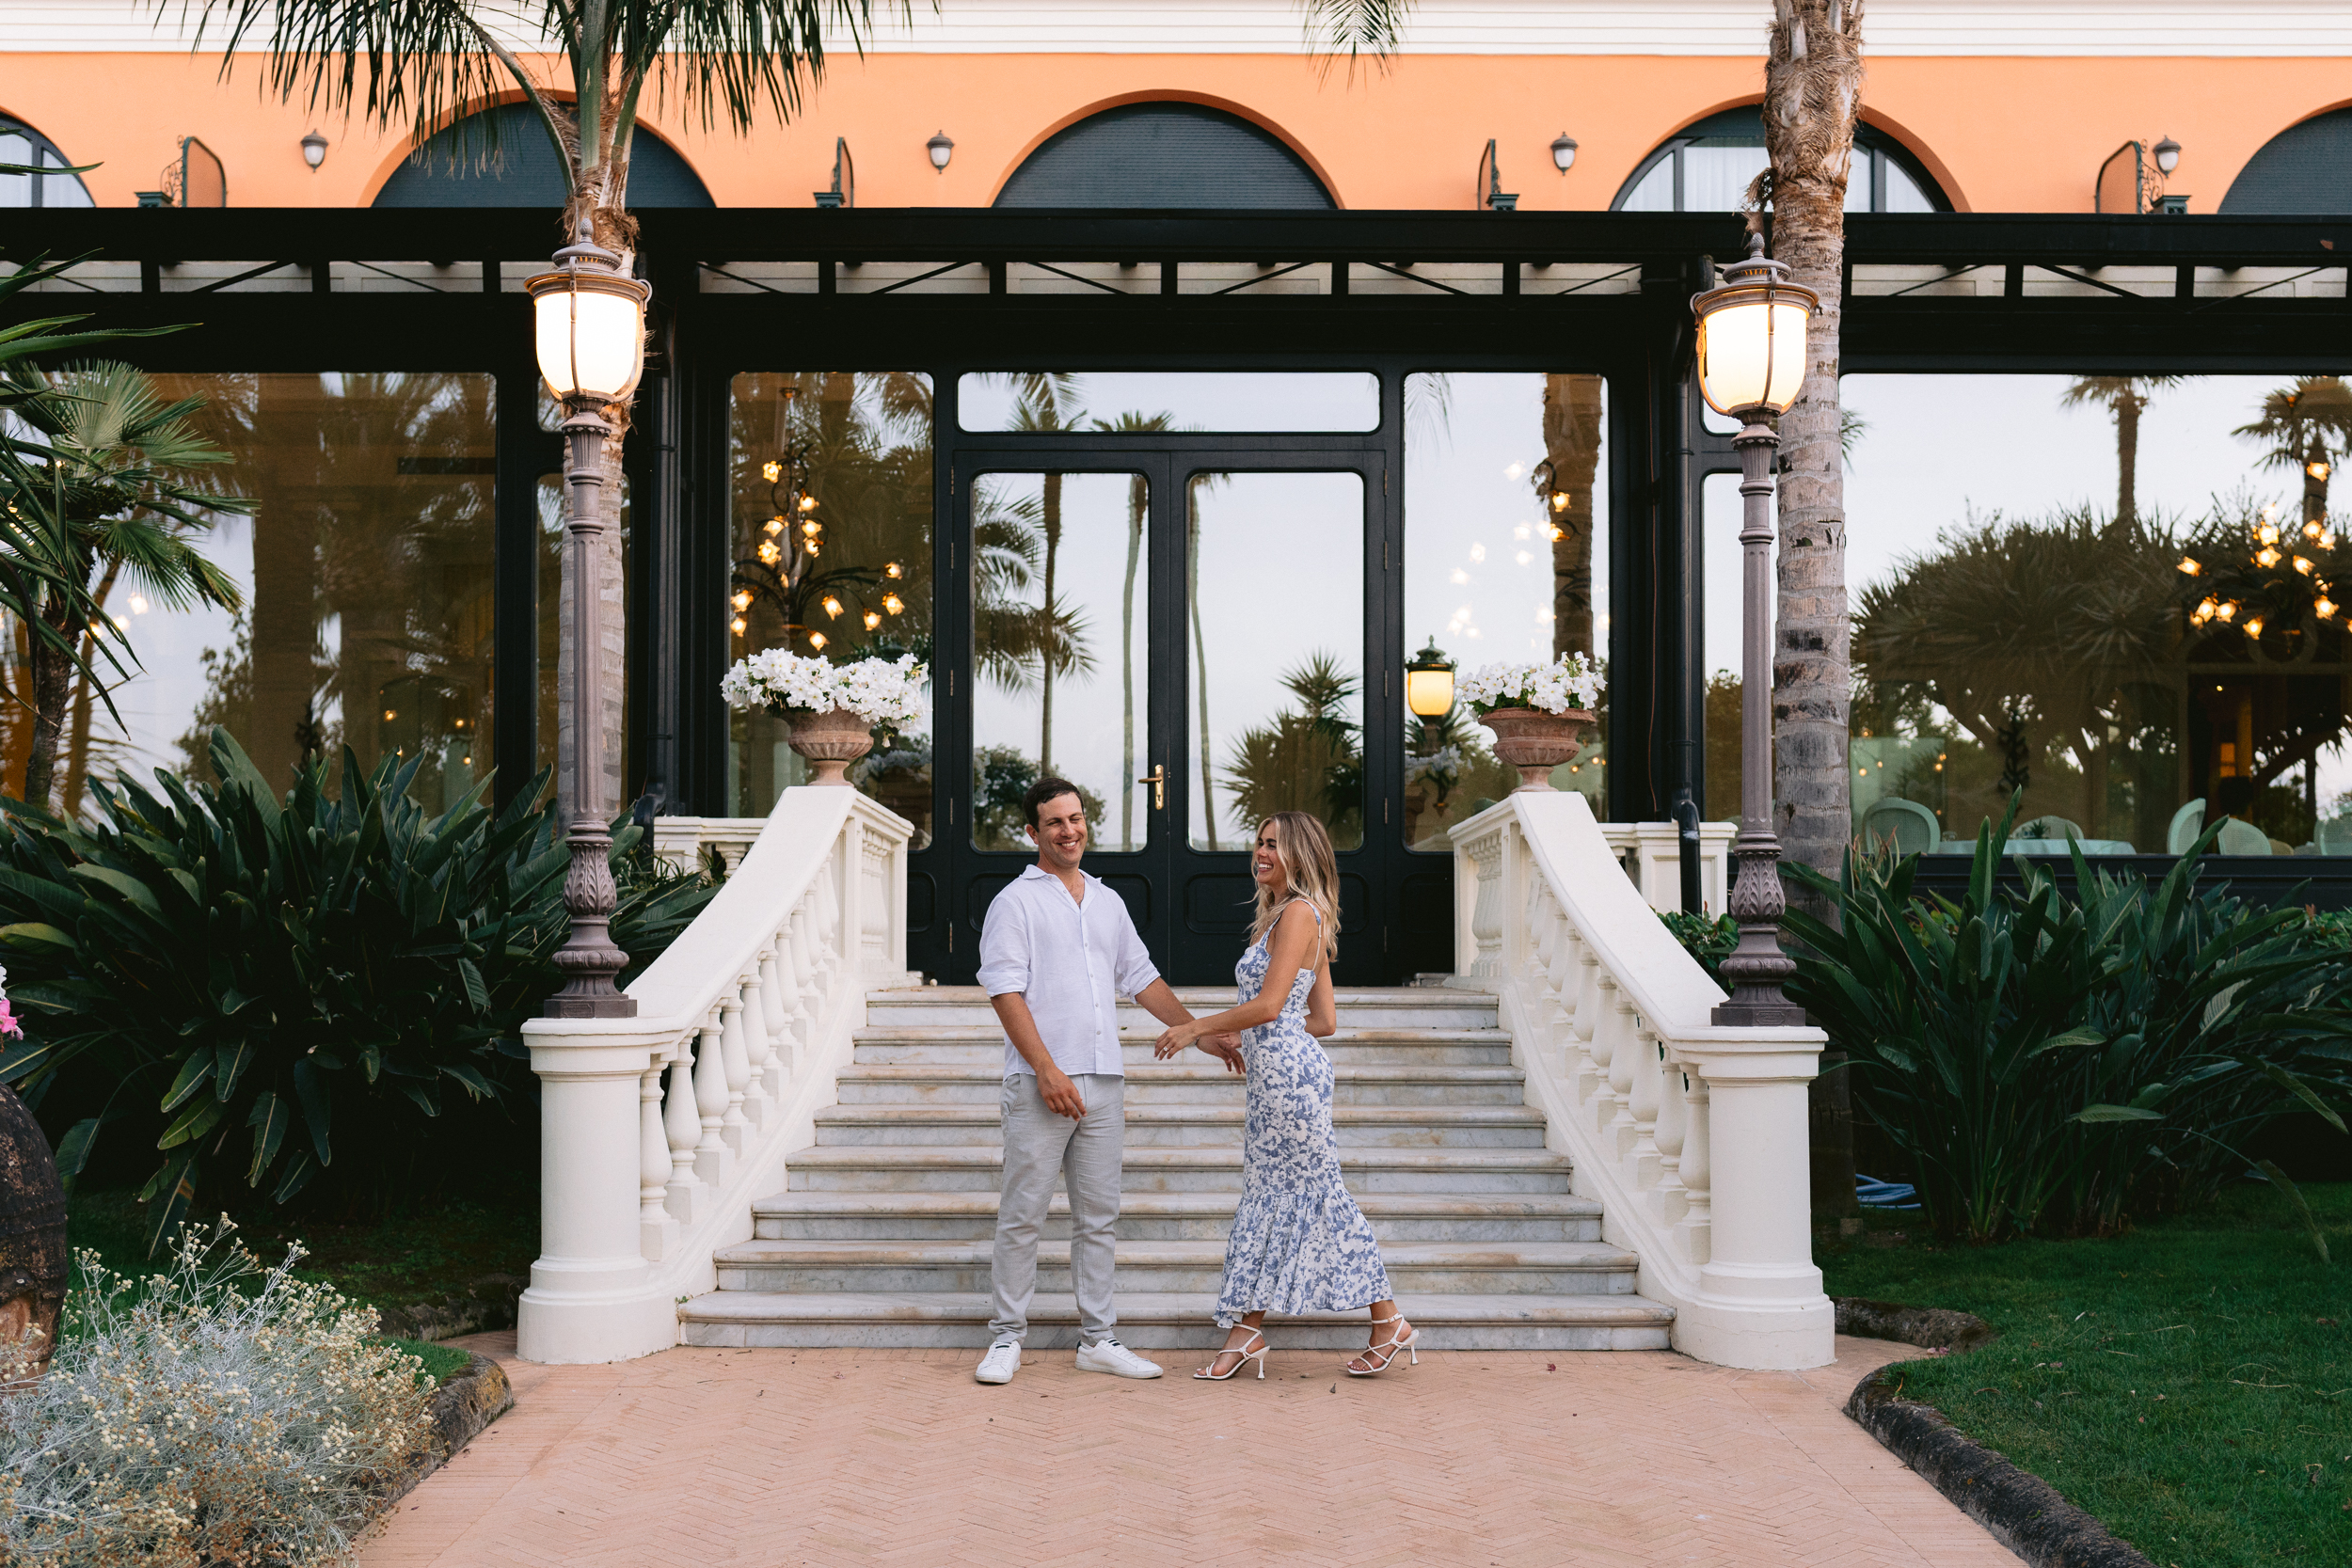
[761, 1095]
[1697, 1175]
[653, 1164]
[1486, 913]
[1668, 1200]
[826, 899]
[1559, 1025]
[1624, 1057]
[1603, 1046]
[1645, 1098]
[683, 1123]
[735, 1058]
[805, 995]
[713, 1159]
[1593, 1067]
[784, 984]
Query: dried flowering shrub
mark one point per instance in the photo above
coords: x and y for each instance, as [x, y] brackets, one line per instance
[218, 1413]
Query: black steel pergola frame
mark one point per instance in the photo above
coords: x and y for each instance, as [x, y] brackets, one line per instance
[467, 317]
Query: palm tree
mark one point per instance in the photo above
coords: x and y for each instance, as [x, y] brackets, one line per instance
[1049, 402]
[1138, 503]
[115, 451]
[2126, 398]
[2308, 426]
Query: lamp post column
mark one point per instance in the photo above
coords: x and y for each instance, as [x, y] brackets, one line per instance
[1757, 966]
[588, 960]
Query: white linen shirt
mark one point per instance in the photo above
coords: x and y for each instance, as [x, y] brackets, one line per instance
[1065, 957]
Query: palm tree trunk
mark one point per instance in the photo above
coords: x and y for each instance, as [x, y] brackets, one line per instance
[77, 752]
[2127, 409]
[1138, 498]
[1572, 447]
[1052, 513]
[1812, 93]
[1201, 676]
[52, 687]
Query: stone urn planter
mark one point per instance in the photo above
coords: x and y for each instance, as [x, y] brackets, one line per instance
[1535, 742]
[33, 1259]
[830, 741]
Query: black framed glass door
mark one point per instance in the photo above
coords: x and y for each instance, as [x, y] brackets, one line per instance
[1183, 629]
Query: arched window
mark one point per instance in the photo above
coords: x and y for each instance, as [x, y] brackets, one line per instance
[2304, 168]
[1164, 155]
[449, 172]
[22, 145]
[1705, 167]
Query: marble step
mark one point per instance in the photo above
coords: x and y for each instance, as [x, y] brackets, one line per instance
[977, 1045]
[948, 1084]
[1184, 1322]
[1165, 1216]
[1359, 1007]
[1180, 1125]
[979, 1168]
[1493, 1268]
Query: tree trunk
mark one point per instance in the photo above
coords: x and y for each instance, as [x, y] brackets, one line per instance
[1051, 513]
[2127, 457]
[1572, 446]
[52, 692]
[1812, 93]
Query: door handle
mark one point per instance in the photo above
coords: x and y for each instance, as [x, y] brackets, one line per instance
[1157, 779]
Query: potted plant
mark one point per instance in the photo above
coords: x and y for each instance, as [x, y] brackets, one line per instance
[833, 708]
[1536, 711]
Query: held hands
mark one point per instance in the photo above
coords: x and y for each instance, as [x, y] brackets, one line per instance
[1225, 1048]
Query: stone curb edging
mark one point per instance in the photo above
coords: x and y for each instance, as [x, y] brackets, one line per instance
[487, 1305]
[2022, 1512]
[462, 1406]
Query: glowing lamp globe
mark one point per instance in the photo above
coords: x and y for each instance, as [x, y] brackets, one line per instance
[1429, 682]
[1752, 336]
[590, 321]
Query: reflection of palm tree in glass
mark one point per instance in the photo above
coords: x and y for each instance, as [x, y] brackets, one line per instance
[1049, 402]
[2309, 427]
[2126, 398]
[1138, 504]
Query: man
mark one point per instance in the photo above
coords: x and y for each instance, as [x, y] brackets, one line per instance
[1056, 946]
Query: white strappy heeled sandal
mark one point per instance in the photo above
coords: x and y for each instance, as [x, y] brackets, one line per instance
[1381, 1354]
[1207, 1375]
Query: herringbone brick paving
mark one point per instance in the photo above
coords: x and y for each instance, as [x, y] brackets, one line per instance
[716, 1458]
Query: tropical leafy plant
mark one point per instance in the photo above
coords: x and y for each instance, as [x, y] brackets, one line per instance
[1308, 759]
[270, 984]
[1709, 939]
[115, 457]
[2061, 1063]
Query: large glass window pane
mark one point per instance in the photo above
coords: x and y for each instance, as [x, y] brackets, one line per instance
[366, 573]
[1656, 193]
[846, 578]
[1505, 560]
[1274, 708]
[2031, 626]
[1095, 402]
[1061, 656]
[1716, 179]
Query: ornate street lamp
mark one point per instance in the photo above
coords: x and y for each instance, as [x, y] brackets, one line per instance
[1751, 366]
[591, 334]
[1429, 682]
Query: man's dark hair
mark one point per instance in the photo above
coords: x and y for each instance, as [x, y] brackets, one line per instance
[1048, 788]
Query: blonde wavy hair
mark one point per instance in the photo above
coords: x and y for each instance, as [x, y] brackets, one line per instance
[1310, 870]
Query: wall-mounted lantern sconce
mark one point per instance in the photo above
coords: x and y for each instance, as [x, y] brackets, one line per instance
[843, 192]
[941, 149]
[1491, 192]
[2168, 155]
[314, 150]
[1564, 152]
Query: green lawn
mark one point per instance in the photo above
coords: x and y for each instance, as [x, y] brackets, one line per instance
[2189, 1383]
[398, 1261]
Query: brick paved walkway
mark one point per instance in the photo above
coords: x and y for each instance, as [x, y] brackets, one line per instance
[705, 1458]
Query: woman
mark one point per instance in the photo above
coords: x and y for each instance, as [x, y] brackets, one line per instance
[1299, 1243]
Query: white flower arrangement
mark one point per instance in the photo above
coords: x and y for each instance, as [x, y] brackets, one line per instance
[1571, 681]
[878, 690]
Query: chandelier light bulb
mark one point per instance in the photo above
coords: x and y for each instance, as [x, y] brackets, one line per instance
[743, 599]
[812, 527]
[769, 553]
[2204, 611]
[2268, 533]
[812, 546]
[833, 606]
[2327, 608]
[2254, 626]
[2302, 564]
[773, 525]
[1558, 501]
[772, 471]
[808, 503]
[894, 570]
[2228, 611]
[2268, 556]
[873, 619]
[817, 640]
[2313, 529]
[2317, 471]
[894, 603]
[737, 626]
[2189, 566]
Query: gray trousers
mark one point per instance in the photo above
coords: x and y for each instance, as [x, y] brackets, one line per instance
[1086, 1154]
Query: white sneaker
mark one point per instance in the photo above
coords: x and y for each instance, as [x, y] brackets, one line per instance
[1110, 1356]
[1002, 1360]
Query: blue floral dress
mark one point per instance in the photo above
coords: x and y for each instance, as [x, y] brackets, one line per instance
[1299, 1243]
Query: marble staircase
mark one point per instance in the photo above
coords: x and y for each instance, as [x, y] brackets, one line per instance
[881, 1236]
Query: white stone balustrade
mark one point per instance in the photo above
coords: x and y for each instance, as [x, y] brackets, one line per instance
[657, 1132]
[1693, 1138]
